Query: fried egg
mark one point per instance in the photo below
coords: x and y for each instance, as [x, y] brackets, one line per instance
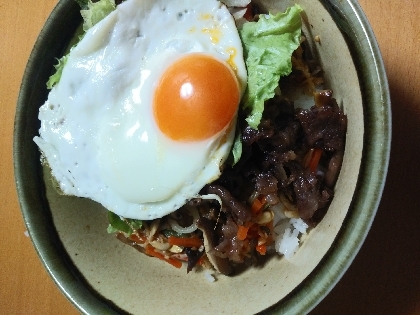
[145, 111]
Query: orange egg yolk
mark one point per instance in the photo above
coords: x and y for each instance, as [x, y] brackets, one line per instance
[196, 98]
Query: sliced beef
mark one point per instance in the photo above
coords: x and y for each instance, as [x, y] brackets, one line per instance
[237, 208]
[210, 242]
[324, 127]
[230, 246]
[266, 184]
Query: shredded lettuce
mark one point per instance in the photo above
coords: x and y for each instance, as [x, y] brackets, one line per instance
[236, 151]
[96, 12]
[53, 80]
[117, 224]
[92, 13]
[268, 46]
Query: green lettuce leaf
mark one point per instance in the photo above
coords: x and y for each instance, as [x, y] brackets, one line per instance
[268, 47]
[118, 224]
[53, 80]
[92, 13]
[236, 151]
[95, 12]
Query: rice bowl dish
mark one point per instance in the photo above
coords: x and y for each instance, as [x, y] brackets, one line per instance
[68, 213]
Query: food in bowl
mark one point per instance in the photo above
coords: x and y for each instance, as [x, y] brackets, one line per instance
[218, 186]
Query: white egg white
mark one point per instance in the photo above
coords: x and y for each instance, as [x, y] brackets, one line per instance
[98, 133]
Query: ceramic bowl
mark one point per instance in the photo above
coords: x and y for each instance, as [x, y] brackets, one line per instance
[100, 275]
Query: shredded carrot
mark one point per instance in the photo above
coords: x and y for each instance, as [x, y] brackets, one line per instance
[139, 239]
[174, 262]
[258, 204]
[262, 249]
[262, 199]
[316, 156]
[185, 241]
[152, 252]
[242, 232]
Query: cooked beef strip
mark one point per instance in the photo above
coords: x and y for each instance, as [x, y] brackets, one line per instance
[210, 242]
[241, 212]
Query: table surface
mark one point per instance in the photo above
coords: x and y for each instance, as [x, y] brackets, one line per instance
[385, 276]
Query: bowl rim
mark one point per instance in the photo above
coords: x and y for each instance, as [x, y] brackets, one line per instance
[371, 181]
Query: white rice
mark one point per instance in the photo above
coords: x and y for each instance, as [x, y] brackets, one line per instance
[287, 233]
[287, 242]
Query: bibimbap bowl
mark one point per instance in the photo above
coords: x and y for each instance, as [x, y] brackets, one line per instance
[100, 274]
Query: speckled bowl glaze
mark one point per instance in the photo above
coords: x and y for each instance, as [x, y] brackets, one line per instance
[100, 275]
